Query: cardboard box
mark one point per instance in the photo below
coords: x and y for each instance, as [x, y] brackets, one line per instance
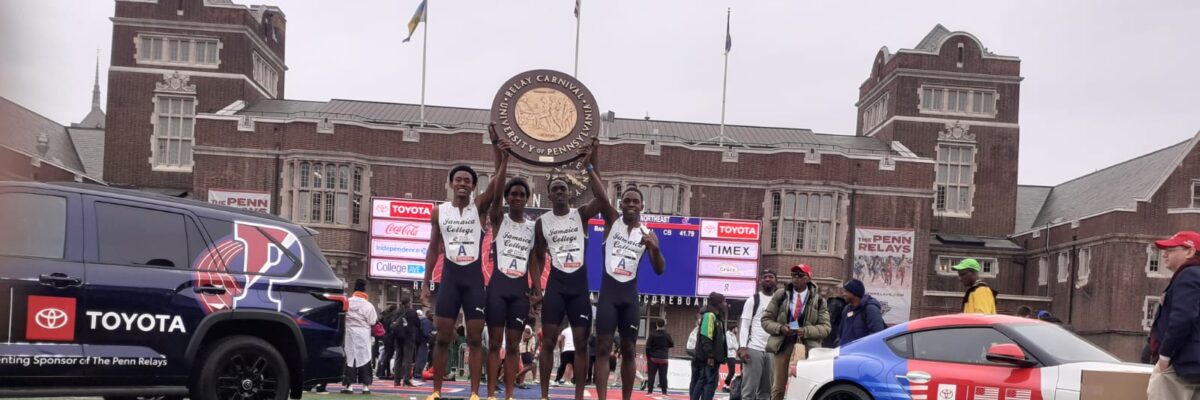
[1105, 385]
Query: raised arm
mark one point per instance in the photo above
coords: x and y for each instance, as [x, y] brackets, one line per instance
[600, 203]
[496, 187]
[431, 256]
[537, 262]
[500, 155]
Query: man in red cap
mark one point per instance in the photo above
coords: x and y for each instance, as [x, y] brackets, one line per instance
[1174, 340]
[796, 314]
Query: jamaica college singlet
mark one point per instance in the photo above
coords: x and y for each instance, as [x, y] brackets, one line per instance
[565, 240]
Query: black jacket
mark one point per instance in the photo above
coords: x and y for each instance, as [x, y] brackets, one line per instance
[837, 307]
[659, 344]
[714, 348]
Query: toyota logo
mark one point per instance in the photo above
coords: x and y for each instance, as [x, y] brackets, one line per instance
[51, 318]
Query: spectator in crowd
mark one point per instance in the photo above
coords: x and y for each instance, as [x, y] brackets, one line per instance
[863, 314]
[756, 363]
[710, 349]
[407, 334]
[731, 360]
[1174, 339]
[384, 369]
[658, 350]
[837, 307]
[357, 341]
[795, 315]
[1025, 312]
[979, 299]
[423, 345]
[528, 347]
[566, 358]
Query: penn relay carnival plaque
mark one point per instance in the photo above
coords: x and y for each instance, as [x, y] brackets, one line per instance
[549, 116]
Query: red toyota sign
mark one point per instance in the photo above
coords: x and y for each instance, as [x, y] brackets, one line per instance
[50, 319]
[729, 230]
[402, 209]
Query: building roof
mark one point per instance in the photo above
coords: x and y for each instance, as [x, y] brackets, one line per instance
[933, 39]
[1029, 203]
[22, 128]
[89, 145]
[1118, 186]
[621, 128]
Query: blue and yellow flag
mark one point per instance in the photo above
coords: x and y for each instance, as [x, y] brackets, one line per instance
[417, 18]
[728, 38]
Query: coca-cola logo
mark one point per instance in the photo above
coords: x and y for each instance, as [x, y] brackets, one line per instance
[401, 229]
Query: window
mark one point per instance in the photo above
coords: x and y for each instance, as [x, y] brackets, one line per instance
[1043, 271]
[1195, 194]
[1154, 263]
[265, 75]
[804, 222]
[874, 114]
[988, 267]
[174, 125]
[660, 198]
[327, 193]
[956, 101]
[1064, 260]
[139, 236]
[651, 313]
[1085, 269]
[1150, 306]
[901, 345]
[35, 225]
[961, 345]
[178, 50]
[955, 179]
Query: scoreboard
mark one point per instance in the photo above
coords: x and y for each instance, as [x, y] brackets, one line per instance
[703, 255]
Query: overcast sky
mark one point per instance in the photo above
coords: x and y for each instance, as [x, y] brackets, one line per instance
[1105, 81]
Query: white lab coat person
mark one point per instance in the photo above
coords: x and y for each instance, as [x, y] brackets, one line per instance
[357, 345]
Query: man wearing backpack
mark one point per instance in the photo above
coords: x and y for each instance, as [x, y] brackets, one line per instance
[406, 329]
[756, 363]
[710, 349]
[862, 316]
[384, 369]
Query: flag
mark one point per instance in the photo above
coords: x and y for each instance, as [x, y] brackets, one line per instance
[986, 393]
[577, 8]
[417, 18]
[728, 38]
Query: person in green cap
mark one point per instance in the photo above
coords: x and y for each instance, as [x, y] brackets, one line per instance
[979, 299]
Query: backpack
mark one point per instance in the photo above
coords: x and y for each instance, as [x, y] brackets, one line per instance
[693, 339]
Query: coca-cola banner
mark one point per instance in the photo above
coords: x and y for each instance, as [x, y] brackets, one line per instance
[401, 229]
[400, 232]
[883, 261]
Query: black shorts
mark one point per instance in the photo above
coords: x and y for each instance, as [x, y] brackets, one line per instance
[575, 307]
[527, 358]
[617, 308]
[509, 310]
[461, 287]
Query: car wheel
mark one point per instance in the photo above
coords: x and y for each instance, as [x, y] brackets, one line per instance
[241, 367]
[844, 392]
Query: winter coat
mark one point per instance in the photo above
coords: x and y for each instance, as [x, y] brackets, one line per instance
[861, 321]
[815, 321]
[837, 308]
[1176, 330]
[710, 344]
[659, 345]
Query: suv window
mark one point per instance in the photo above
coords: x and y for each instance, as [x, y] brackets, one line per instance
[34, 225]
[140, 236]
[960, 345]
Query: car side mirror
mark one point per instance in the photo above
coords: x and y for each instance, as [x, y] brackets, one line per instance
[1008, 353]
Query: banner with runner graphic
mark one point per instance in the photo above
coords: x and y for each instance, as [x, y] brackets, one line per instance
[883, 261]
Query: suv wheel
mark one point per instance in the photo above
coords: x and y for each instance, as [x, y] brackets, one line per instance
[241, 367]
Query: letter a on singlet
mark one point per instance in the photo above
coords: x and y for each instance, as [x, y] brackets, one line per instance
[513, 264]
[462, 250]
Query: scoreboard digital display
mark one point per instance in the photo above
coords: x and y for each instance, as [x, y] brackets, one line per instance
[703, 256]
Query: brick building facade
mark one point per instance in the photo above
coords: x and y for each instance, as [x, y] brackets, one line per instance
[935, 153]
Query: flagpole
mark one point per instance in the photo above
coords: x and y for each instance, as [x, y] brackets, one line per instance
[724, 81]
[424, 47]
[578, 19]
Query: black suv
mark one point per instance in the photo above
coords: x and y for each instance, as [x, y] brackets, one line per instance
[115, 292]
